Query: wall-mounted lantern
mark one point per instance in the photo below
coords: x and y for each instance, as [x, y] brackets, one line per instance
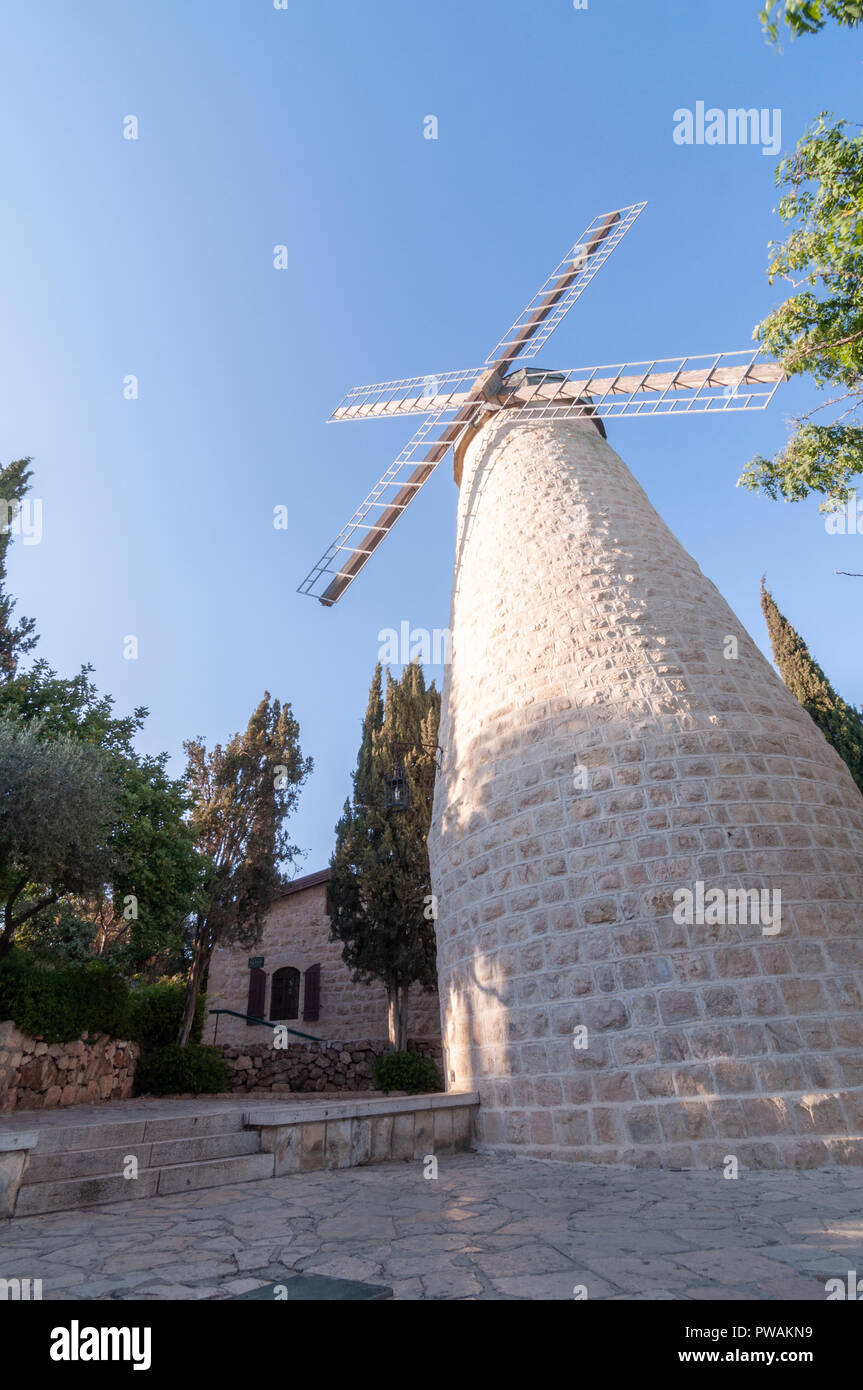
[397, 789]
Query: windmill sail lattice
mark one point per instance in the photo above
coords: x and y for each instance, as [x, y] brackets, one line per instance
[453, 402]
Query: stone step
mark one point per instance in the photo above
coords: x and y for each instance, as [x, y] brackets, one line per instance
[71, 1195]
[111, 1133]
[183, 1177]
[106, 1162]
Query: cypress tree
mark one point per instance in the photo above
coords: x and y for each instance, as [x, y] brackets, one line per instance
[381, 906]
[242, 795]
[839, 722]
[16, 638]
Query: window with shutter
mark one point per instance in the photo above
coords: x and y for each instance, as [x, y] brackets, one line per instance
[285, 999]
[312, 998]
[257, 994]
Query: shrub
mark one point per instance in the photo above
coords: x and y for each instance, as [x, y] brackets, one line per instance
[406, 1071]
[60, 1004]
[103, 998]
[172, 1070]
[156, 1013]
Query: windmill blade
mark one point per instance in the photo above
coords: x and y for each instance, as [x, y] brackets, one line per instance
[412, 395]
[419, 395]
[670, 386]
[566, 282]
[743, 380]
[373, 520]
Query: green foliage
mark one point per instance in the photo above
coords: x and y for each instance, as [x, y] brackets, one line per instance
[58, 801]
[379, 872]
[175, 1070]
[817, 458]
[61, 1004]
[406, 1071]
[809, 16]
[156, 1012]
[59, 935]
[242, 795]
[159, 871]
[150, 874]
[840, 723]
[16, 639]
[70, 705]
[818, 331]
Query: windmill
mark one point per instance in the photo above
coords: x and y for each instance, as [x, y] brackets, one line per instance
[454, 403]
[616, 745]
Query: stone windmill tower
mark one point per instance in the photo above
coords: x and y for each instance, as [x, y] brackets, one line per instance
[648, 860]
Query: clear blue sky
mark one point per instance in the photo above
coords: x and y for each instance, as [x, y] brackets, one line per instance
[305, 127]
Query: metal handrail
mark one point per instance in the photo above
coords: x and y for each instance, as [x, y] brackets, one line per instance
[263, 1023]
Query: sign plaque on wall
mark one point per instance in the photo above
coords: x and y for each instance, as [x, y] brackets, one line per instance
[256, 962]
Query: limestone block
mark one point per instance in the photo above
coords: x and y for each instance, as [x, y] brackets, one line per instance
[14, 1153]
[443, 1131]
[312, 1156]
[403, 1136]
[361, 1140]
[382, 1138]
[337, 1150]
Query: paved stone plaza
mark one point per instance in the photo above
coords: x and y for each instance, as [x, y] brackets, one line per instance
[486, 1228]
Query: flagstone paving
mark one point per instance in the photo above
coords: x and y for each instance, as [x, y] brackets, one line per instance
[488, 1227]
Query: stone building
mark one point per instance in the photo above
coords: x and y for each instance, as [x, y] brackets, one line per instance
[296, 975]
[608, 751]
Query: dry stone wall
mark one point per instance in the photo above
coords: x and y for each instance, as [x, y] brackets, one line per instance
[311, 1066]
[36, 1075]
[608, 748]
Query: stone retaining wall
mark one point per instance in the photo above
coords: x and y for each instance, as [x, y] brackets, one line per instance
[36, 1075]
[311, 1066]
[350, 1134]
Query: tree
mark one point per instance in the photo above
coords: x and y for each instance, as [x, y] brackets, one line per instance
[158, 874]
[152, 868]
[381, 905]
[16, 639]
[839, 722]
[155, 868]
[58, 803]
[809, 16]
[242, 795]
[819, 331]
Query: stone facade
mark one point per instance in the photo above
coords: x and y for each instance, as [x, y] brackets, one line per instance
[310, 1066]
[297, 934]
[603, 750]
[36, 1075]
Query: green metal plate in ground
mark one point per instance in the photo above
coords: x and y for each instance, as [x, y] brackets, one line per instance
[316, 1288]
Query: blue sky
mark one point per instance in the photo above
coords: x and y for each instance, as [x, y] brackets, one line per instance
[304, 127]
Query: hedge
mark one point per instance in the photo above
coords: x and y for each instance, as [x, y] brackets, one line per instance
[406, 1071]
[157, 1011]
[174, 1070]
[60, 1003]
